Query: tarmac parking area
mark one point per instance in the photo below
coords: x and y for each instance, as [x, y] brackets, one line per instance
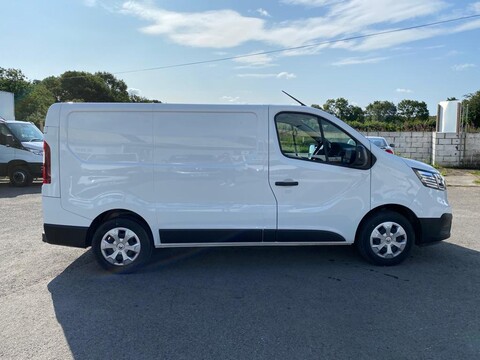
[237, 303]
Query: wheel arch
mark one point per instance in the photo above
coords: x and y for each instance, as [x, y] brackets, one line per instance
[400, 209]
[112, 214]
[15, 163]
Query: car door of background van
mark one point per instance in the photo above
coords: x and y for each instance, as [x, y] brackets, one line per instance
[211, 175]
[322, 195]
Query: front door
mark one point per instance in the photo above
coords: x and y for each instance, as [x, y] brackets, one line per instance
[321, 184]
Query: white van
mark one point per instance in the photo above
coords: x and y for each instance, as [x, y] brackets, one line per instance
[21, 151]
[127, 178]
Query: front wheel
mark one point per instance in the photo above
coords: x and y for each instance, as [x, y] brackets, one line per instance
[121, 245]
[20, 176]
[386, 238]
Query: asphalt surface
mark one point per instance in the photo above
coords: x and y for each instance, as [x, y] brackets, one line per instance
[237, 303]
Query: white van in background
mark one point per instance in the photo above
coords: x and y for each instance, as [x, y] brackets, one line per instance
[127, 178]
[21, 151]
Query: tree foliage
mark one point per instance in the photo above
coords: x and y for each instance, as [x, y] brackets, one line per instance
[14, 81]
[381, 111]
[408, 115]
[343, 110]
[409, 110]
[471, 105]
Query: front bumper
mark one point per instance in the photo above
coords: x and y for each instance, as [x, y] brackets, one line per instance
[36, 169]
[436, 229]
[74, 236]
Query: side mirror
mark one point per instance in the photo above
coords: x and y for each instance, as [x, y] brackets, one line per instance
[392, 145]
[10, 141]
[311, 150]
[361, 159]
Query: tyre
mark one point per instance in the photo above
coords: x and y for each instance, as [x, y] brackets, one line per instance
[386, 238]
[20, 176]
[122, 245]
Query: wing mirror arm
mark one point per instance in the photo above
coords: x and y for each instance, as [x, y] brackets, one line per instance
[362, 158]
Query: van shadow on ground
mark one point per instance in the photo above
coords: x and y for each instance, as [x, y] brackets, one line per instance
[9, 191]
[272, 303]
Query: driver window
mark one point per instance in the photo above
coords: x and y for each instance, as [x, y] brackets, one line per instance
[300, 136]
[308, 137]
[341, 146]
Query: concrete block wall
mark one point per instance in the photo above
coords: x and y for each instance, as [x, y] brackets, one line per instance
[447, 148]
[412, 145]
[471, 156]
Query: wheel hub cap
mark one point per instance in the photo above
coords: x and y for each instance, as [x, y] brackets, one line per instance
[388, 240]
[120, 246]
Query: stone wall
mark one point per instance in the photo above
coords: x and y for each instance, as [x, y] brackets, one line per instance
[412, 145]
[471, 150]
[445, 149]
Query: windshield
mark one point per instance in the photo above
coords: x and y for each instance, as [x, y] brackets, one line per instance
[25, 132]
[379, 142]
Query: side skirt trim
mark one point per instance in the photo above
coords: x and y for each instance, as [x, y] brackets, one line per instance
[246, 236]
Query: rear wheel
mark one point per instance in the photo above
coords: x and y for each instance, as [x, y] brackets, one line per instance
[122, 245]
[386, 238]
[20, 176]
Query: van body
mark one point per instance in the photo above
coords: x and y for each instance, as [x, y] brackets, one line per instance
[127, 178]
[21, 151]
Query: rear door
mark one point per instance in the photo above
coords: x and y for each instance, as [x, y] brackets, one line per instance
[321, 190]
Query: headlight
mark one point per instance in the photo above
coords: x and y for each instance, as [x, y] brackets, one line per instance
[36, 152]
[430, 179]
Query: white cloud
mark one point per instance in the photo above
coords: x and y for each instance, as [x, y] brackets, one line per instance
[433, 47]
[286, 75]
[226, 28]
[462, 67]
[255, 60]
[475, 7]
[281, 75]
[357, 61]
[262, 12]
[231, 99]
[90, 3]
[406, 91]
[133, 91]
[310, 3]
[215, 29]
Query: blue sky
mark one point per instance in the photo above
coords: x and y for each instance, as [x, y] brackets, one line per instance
[44, 38]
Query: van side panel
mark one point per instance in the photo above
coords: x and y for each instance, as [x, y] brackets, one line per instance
[106, 161]
[211, 172]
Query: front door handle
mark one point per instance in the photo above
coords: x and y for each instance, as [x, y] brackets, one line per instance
[286, 183]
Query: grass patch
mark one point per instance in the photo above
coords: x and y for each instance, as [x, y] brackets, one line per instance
[442, 170]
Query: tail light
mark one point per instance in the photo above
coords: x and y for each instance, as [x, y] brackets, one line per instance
[47, 164]
[390, 151]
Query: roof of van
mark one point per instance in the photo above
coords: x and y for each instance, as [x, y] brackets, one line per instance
[4, 121]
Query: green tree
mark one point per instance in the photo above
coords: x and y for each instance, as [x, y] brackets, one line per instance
[343, 110]
[84, 86]
[14, 81]
[382, 111]
[356, 114]
[409, 110]
[34, 105]
[471, 105]
[53, 84]
[140, 99]
[117, 88]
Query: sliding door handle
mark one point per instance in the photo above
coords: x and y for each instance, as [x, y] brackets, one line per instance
[286, 183]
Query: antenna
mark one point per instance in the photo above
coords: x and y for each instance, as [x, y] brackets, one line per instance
[293, 98]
